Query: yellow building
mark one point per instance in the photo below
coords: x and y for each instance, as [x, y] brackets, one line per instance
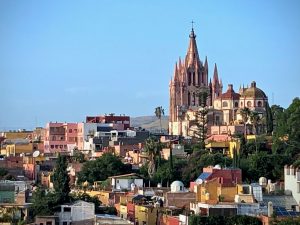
[17, 149]
[103, 196]
[145, 215]
[123, 211]
[213, 191]
[18, 135]
[226, 146]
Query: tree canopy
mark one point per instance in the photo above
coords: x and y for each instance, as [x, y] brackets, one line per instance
[101, 168]
[61, 180]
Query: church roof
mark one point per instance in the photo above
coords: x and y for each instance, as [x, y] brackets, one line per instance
[192, 55]
[230, 94]
[254, 92]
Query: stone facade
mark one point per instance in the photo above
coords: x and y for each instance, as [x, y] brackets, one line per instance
[191, 78]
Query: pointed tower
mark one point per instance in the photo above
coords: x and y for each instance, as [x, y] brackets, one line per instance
[216, 85]
[189, 78]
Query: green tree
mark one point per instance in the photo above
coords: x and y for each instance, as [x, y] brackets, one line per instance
[78, 156]
[159, 112]
[245, 113]
[43, 203]
[255, 120]
[200, 159]
[287, 133]
[100, 169]
[269, 119]
[201, 118]
[61, 180]
[153, 149]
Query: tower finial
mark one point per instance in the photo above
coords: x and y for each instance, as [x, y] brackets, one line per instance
[192, 24]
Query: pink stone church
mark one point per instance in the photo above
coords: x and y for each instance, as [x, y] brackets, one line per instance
[191, 76]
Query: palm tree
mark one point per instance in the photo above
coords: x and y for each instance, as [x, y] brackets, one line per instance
[255, 120]
[153, 149]
[159, 112]
[245, 112]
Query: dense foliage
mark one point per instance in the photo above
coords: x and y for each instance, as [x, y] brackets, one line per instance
[101, 168]
[61, 180]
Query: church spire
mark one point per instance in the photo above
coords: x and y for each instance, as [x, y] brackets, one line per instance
[176, 73]
[206, 64]
[192, 55]
[215, 77]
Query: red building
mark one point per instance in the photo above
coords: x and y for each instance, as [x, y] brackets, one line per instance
[111, 118]
[227, 176]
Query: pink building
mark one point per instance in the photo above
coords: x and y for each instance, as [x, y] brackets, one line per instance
[60, 137]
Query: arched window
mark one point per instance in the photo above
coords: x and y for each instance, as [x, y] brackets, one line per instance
[189, 78]
[259, 104]
[236, 104]
[194, 78]
[249, 104]
[225, 104]
[241, 104]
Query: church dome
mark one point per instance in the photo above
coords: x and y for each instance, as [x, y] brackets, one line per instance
[177, 186]
[230, 94]
[253, 92]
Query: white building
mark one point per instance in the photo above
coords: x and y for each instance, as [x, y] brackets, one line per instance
[292, 181]
[126, 182]
[76, 213]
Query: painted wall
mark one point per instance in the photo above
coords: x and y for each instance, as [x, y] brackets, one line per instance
[292, 181]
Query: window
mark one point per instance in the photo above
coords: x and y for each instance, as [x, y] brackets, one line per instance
[49, 223]
[241, 104]
[189, 78]
[70, 130]
[259, 104]
[225, 104]
[249, 104]
[236, 104]
[51, 146]
[67, 209]
[194, 79]
[217, 120]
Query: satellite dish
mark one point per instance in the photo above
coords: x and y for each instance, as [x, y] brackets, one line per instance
[199, 181]
[36, 153]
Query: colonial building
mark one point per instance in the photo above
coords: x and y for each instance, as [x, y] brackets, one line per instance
[190, 78]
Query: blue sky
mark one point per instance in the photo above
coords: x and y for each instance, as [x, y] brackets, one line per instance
[63, 60]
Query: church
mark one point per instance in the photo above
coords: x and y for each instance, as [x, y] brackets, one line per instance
[191, 77]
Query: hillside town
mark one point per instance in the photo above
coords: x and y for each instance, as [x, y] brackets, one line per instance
[227, 157]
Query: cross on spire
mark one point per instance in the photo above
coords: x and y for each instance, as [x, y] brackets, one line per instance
[192, 24]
